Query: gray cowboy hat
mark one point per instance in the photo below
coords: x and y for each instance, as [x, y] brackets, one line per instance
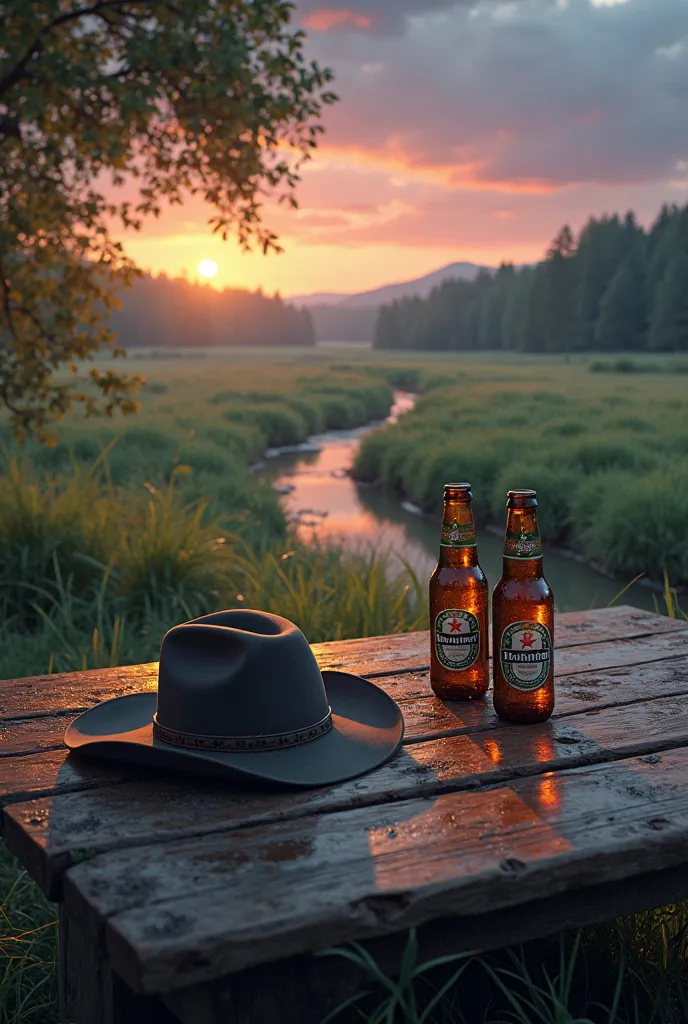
[240, 694]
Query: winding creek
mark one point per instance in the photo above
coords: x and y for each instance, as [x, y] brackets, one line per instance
[320, 497]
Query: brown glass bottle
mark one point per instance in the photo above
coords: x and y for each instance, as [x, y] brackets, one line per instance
[459, 667]
[523, 620]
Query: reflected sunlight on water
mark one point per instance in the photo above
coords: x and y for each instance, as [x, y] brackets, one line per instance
[324, 503]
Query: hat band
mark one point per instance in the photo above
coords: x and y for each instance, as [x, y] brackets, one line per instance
[241, 744]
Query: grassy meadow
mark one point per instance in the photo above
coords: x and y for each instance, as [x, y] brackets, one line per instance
[125, 528]
[604, 443]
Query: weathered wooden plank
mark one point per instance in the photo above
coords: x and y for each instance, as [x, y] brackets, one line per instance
[641, 651]
[24, 778]
[48, 833]
[76, 691]
[425, 716]
[185, 912]
[43, 774]
[53, 773]
[317, 985]
[72, 691]
[21, 736]
[428, 718]
[572, 629]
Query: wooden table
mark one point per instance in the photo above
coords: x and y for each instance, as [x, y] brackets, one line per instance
[198, 902]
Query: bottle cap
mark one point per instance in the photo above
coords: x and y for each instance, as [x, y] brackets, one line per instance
[522, 499]
[462, 490]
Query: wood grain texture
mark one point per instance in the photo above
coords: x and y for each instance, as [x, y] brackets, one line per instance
[48, 833]
[21, 735]
[90, 992]
[85, 976]
[181, 913]
[319, 984]
[25, 778]
[424, 715]
[185, 883]
[70, 693]
[571, 629]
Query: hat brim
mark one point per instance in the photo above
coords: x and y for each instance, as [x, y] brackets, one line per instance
[367, 729]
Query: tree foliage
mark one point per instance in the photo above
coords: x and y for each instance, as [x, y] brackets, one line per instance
[110, 109]
[615, 287]
[163, 312]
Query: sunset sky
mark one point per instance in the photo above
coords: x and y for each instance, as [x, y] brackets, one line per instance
[466, 130]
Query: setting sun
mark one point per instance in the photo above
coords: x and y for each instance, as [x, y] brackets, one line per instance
[207, 268]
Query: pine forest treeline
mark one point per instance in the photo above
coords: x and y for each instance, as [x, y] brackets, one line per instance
[614, 288]
[162, 312]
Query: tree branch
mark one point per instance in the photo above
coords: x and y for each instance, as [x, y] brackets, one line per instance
[6, 301]
[18, 71]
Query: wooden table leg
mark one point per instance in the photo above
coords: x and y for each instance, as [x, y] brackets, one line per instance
[301, 990]
[90, 992]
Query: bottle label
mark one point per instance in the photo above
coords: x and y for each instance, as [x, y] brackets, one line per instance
[457, 535]
[526, 655]
[522, 545]
[457, 639]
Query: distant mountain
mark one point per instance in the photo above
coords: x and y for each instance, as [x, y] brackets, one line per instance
[317, 299]
[421, 286]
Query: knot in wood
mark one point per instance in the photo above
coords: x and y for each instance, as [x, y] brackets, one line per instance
[512, 866]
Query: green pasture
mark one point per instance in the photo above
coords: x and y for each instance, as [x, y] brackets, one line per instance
[123, 529]
[604, 444]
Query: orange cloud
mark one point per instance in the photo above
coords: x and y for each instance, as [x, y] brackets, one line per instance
[469, 175]
[324, 19]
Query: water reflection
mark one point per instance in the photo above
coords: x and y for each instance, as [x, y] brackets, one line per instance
[323, 502]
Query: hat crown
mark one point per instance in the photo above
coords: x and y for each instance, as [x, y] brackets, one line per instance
[239, 674]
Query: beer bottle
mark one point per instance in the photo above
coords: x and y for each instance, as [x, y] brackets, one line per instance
[459, 668]
[523, 620]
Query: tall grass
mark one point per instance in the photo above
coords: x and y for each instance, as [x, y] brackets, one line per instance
[91, 576]
[28, 949]
[108, 540]
[609, 460]
[630, 971]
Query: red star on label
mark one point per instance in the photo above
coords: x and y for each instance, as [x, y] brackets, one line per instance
[528, 640]
[455, 625]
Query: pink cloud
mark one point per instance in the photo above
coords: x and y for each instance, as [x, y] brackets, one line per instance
[522, 97]
[324, 19]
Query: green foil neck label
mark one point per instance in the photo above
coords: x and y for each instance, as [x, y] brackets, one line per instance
[457, 535]
[457, 639]
[526, 655]
[522, 545]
